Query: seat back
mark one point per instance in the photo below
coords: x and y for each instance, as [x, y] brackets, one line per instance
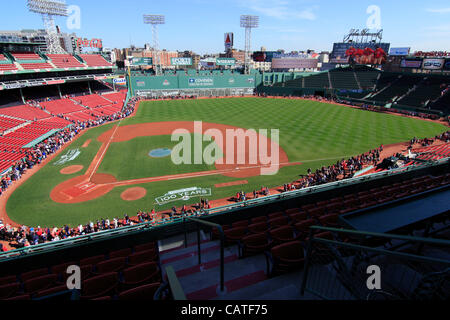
[146, 292]
[140, 272]
[288, 251]
[120, 253]
[112, 265]
[41, 283]
[99, 286]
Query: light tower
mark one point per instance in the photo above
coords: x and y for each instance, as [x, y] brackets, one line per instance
[48, 9]
[155, 20]
[248, 22]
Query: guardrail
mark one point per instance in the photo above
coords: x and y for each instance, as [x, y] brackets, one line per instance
[129, 230]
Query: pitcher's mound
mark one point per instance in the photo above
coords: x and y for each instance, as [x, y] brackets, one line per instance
[71, 170]
[133, 194]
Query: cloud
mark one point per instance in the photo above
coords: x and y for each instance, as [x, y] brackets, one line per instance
[279, 9]
[439, 10]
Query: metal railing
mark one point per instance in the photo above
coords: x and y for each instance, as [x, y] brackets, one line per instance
[222, 245]
[338, 269]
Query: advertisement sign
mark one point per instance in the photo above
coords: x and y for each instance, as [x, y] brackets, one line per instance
[120, 81]
[229, 41]
[225, 61]
[411, 63]
[399, 51]
[85, 43]
[294, 63]
[142, 61]
[183, 194]
[433, 64]
[181, 61]
[201, 82]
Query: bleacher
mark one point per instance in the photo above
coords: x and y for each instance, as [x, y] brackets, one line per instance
[442, 104]
[24, 112]
[36, 66]
[8, 67]
[368, 78]
[9, 123]
[433, 153]
[317, 81]
[397, 88]
[427, 91]
[343, 79]
[95, 60]
[61, 106]
[92, 101]
[28, 56]
[65, 61]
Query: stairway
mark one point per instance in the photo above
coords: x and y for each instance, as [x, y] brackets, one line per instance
[245, 279]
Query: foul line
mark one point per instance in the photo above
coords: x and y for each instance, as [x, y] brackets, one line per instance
[104, 151]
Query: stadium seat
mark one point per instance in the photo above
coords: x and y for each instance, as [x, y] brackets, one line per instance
[111, 265]
[120, 253]
[33, 274]
[304, 227]
[253, 244]
[331, 220]
[8, 280]
[259, 220]
[299, 217]
[92, 260]
[24, 297]
[275, 215]
[293, 211]
[240, 224]
[145, 247]
[99, 286]
[51, 291]
[278, 222]
[9, 290]
[142, 257]
[282, 235]
[232, 236]
[146, 292]
[258, 228]
[139, 275]
[34, 285]
[286, 258]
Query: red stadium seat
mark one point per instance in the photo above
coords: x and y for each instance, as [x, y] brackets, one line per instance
[276, 215]
[32, 286]
[92, 260]
[240, 224]
[9, 290]
[146, 292]
[51, 291]
[299, 217]
[258, 228]
[141, 274]
[112, 265]
[283, 235]
[120, 253]
[254, 244]
[99, 286]
[234, 235]
[8, 280]
[33, 274]
[142, 257]
[145, 247]
[278, 222]
[286, 258]
[259, 220]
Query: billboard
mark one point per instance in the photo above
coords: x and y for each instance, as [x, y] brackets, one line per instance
[433, 64]
[94, 43]
[181, 61]
[229, 41]
[120, 81]
[141, 61]
[225, 61]
[399, 51]
[411, 63]
[294, 63]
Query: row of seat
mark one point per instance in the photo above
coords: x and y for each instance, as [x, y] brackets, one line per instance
[132, 267]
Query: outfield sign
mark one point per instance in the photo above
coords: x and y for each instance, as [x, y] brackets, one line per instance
[201, 82]
[181, 61]
[68, 157]
[142, 62]
[120, 81]
[183, 195]
[225, 61]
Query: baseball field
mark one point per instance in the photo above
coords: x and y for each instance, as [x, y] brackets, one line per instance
[127, 166]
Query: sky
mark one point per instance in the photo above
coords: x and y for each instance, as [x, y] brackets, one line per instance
[199, 25]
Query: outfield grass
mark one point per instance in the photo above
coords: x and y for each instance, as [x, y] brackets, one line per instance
[313, 133]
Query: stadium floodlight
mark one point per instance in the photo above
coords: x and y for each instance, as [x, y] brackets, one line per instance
[48, 9]
[249, 23]
[155, 20]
